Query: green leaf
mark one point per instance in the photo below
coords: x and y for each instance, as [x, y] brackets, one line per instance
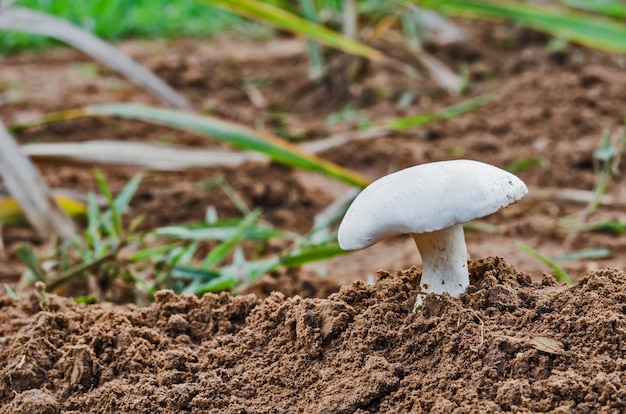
[589, 30]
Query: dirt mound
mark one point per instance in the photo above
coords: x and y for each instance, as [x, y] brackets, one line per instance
[508, 345]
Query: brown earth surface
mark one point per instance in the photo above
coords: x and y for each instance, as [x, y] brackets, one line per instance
[516, 342]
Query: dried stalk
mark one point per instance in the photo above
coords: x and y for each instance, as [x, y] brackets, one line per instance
[31, 21]
[145, 155]
[26, 184]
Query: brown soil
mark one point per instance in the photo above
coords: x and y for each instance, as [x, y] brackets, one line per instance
[516, 342]
[508, 345]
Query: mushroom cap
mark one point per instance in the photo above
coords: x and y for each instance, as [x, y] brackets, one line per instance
[427, 198]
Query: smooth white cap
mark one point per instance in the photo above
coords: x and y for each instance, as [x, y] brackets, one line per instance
[426, 198]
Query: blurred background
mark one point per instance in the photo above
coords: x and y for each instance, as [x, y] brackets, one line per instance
[205, 146]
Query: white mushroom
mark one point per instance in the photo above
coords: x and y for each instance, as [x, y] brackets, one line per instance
[431, 202]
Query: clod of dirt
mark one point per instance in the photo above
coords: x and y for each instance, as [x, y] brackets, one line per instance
[507, 345]
[34, 402]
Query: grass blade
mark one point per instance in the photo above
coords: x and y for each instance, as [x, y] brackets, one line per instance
[27, 255]
[282, 19]
[591, 253]
[612, 8]
[611, 226]
[151, 252]
[115, 225]
[236, 135]
[92, 233]
[219, 232]
[593, 31]
[123, 198]
[11, 293]
[222, 250]
[560, 274]
[312, 254]
[446, 113]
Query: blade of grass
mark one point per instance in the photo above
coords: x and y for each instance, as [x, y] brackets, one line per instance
[123, 198]
[616, 227]
[591, 253]
[151, 252]
[86, 254]
[560, 274]
[28, 256]
[593, 31]
[450, 112]
[92, 233]
[612, 8]
[316, 57]
[282, 19]
[378, 129]
[10, 292]
[215, 232]
[236, 135]
[140, 154]
[312, 254]
[222, 250]
[116, 219]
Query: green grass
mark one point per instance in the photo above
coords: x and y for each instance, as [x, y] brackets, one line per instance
[117, 19]
[110, 252]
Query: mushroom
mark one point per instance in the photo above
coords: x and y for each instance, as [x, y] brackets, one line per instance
[431, 202]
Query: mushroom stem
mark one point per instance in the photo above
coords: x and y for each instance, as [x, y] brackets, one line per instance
[444, 257]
